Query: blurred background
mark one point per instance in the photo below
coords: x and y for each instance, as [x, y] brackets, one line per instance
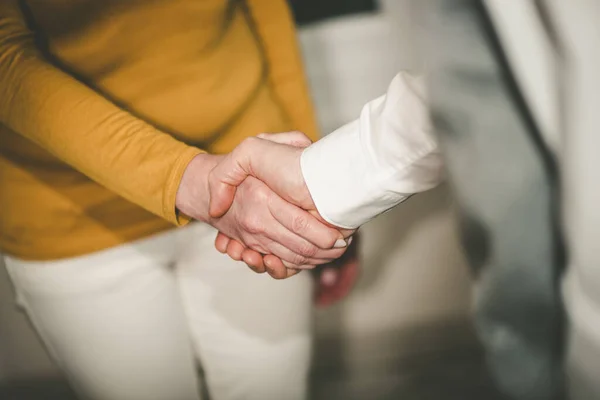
[405, 330]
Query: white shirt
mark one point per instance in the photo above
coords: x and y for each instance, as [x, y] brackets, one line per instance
[377, 161]
[389, 153]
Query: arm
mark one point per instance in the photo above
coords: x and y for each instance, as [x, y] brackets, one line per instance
[123, 153]
[349, 177]
[82, 128]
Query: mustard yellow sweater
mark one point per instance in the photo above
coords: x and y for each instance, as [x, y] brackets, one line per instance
[103, 104]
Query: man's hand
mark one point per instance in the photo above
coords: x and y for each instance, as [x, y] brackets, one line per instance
[274, 159]
[260, 219]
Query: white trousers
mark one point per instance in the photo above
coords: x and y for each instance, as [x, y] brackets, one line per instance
[130, 323]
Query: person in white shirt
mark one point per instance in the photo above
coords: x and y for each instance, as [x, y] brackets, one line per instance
[514, 91]
[353, 174]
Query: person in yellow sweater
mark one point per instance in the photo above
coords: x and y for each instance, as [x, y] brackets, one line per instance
[112, 114]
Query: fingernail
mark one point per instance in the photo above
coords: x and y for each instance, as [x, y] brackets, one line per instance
[339, 244]
[350, 240]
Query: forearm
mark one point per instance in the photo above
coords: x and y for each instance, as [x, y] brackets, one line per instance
[85, 130]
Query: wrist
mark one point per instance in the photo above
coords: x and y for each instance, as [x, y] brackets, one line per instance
[193, 195]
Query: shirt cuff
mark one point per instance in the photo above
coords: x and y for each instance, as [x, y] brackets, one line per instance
[342, 181]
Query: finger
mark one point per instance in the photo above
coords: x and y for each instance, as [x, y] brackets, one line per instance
[221, 242]
[296, 250]
[235, 250]
[306, 226]
[302, 267]
[291, 272]
[254, 260]
[228, 174]
[225, 177]
[275, 263]
[346, 233]
[294, 138]
[293, 260]
[275, 267]
[249, 158]
[221, 199]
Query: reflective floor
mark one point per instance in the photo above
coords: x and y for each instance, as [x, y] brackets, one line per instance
[435, 362]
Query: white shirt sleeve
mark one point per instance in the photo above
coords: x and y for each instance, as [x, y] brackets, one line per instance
[376, 162]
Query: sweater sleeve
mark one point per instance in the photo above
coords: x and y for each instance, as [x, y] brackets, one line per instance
[276, 31]
[80, 127]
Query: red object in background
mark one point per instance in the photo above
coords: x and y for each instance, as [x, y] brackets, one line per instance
[334, 281]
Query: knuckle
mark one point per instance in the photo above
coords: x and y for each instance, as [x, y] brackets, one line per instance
[301, 139]
[252, 224]
[299, 223]
[298, 259]
[262, 194]
[248, 143]
[300, 136]
[308, 250]
[259, 248]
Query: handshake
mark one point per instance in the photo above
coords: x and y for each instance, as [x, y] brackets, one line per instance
[257, 198]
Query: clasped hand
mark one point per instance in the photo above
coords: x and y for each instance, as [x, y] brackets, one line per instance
[261, 206]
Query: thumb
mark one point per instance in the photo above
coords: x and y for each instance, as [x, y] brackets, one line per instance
[247, 159]
[221, 199]
[228, 174]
